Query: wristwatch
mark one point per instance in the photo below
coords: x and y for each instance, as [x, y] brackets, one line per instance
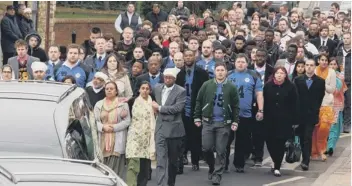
[261, 111]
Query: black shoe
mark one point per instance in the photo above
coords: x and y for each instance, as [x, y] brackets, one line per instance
[216, 180]
[226, 169]
[330, 152]
[240, 170]
[185, 160]
[195, 167]
[346, 131]
[304, 167]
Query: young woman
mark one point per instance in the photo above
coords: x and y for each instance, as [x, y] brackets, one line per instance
[155, 42]
[113, 119]
[140, 147]
[280, 114]
[113, 68]
[298, 71]
[339, 99]
[326, 114]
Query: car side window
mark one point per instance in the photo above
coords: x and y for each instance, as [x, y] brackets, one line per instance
[76, 142]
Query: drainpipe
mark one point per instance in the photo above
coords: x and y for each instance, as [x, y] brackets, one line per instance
[47, 28]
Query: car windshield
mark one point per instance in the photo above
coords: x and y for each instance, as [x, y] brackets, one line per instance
[28, 126]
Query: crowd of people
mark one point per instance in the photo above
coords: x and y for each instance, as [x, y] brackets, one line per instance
[177, 83]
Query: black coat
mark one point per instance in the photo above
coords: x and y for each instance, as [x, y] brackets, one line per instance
[330, 44]
[156, 18]
[26, 26]
[200, 76]
[310, 99]
[95, 97]
[268, 71]
[280, 109]
[10, 33]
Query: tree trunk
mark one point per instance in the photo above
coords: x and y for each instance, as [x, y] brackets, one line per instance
[106, 5]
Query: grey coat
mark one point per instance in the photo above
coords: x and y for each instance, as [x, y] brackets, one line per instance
[169, 119]
[120, 129]
[10, 33]
[13, 62]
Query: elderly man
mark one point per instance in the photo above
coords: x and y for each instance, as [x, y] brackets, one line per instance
[39, 70]
[96, 92]
[169, 130]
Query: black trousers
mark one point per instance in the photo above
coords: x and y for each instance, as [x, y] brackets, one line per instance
[142, 178]
[258, 138]
[243, 145]
[6, 56]
[193, 139]
[305, 132]
[276, 148]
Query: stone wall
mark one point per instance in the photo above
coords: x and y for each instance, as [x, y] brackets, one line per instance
[42, 23]
[63, 29]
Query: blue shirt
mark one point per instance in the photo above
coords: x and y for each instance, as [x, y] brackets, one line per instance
[247, 85]
[218, 109]
[188, 87]
[76, 71]
[170, 63]
[209, 67]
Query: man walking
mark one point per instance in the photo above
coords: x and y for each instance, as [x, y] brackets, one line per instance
[217, 109]
[191, 77]
[311, 91]
[169, 130]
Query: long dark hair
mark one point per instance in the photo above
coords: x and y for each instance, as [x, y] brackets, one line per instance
[120, 62]
[294, 73]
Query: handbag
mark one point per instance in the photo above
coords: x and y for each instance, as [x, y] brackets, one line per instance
[293, 149]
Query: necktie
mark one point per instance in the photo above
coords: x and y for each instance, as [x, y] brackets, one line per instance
[309, 83]
[100, 58]
[189, 72]
[323, 43]
[153, 77]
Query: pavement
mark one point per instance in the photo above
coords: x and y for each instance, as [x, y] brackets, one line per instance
[334, 172]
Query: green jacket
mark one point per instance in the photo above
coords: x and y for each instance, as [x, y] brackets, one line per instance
[205, 102]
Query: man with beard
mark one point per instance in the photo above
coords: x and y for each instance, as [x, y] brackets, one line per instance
[207, 61]
[239, 46]
[191, 77]
[96, 92]
[295, 24]
[290, 62]
[186, 33]
[313, 31]
[286, 33]
[39, 70]
[265, 71]
[273, 49]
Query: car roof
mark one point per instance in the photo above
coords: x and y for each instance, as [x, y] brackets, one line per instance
[22, 170]
[35, 90]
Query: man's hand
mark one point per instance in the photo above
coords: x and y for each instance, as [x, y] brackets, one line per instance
[259, 116]
[234, 126]
[198, 123]
[155, 105]
[108, 128]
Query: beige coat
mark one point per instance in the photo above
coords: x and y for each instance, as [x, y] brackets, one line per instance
[330, 86]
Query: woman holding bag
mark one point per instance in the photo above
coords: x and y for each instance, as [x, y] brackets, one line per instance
[281, 114]
[140, 148]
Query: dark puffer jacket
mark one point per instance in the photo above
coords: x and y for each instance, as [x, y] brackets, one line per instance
[36, 51]
[339, 56]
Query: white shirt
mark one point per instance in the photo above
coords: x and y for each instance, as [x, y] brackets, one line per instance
[322, 41]
[102, 56]
[97, 90]
[151, 75]
[119, 19]
[290, 66]
[165, 94]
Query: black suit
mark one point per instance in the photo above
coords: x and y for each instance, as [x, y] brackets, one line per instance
[309, 105]
[193, 133]
[330, 44]
[257, 129]
[144, 77]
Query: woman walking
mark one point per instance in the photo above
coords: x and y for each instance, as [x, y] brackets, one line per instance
[140, 148]
[326, 114]
[339, 99]
[280, 115]
[112, 119]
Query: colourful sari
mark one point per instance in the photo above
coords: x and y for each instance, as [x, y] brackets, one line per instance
[322, 129]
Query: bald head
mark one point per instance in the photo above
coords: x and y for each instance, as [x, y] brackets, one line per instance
[178, 59]
[207, 48]
[173, 48]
